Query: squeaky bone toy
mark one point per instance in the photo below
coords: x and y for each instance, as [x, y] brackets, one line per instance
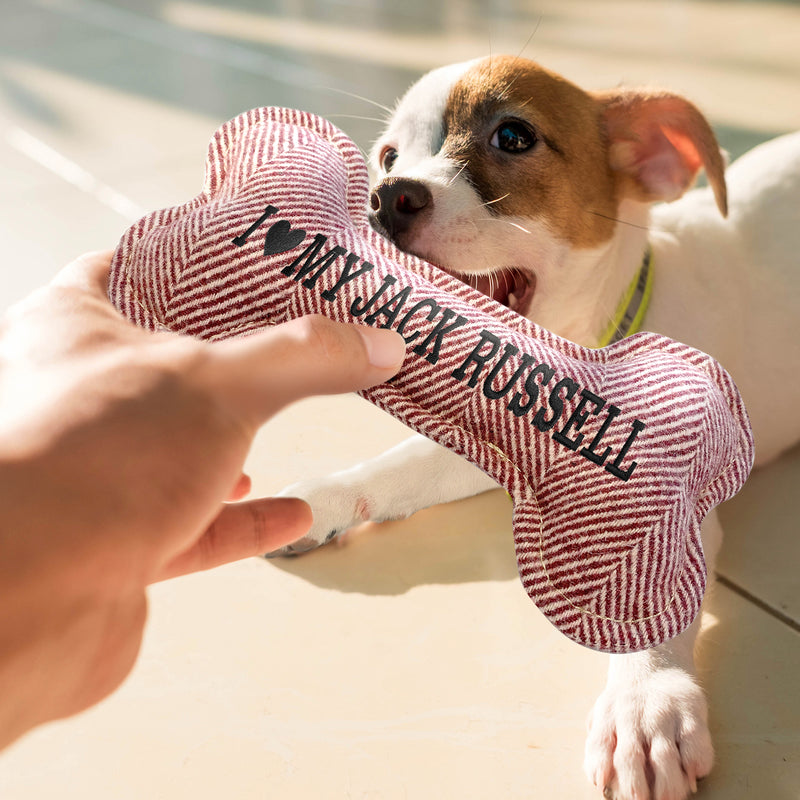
[612, 457]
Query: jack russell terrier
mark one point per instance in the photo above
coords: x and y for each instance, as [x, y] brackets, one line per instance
[540, 194]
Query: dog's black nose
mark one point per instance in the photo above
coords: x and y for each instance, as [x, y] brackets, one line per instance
[397, 202]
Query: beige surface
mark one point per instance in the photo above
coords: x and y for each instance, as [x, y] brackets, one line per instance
[407, 663]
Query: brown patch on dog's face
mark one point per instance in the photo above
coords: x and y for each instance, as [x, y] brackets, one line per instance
[534, 147]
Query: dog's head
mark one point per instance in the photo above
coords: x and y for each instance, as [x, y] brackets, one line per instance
[504, 172]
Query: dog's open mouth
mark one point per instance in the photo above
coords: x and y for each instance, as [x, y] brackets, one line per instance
[514, 288]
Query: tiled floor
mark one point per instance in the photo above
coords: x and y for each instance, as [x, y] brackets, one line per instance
[408, 663]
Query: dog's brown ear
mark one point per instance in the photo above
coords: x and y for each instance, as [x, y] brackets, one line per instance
[658, 141]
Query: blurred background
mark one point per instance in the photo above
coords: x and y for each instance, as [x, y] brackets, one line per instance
[106, 105]
[408, 664]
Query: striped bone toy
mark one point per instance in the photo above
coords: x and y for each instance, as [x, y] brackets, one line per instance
[612, 457]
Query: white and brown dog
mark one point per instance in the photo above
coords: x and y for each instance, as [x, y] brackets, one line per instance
[541, 194]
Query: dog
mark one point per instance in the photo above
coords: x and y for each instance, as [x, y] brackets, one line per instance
[542, 195]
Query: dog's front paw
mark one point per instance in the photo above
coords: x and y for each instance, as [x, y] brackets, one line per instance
[336, 508]
[648, 737]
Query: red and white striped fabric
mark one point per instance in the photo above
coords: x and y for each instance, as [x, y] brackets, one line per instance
[612, 457]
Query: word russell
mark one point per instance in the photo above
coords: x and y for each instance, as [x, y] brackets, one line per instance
[392, 312]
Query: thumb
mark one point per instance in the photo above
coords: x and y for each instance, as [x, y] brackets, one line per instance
[312, 355]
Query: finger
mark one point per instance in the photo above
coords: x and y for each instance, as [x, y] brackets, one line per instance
[308, 356]
[243, 530]
[89, 271]
[241, 489]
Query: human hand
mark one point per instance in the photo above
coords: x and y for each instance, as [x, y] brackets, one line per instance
[118, 448]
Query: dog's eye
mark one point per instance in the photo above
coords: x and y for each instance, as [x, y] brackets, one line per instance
[388, 157]
[513, 137]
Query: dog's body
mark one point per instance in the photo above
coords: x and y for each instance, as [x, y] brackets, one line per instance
[498, 167]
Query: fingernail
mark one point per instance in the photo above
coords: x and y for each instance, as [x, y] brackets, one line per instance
[384, 348]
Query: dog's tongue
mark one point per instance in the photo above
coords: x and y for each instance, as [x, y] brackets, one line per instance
[511, 287]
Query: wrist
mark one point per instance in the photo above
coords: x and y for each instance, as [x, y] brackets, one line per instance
[61, 654]
[61, 596]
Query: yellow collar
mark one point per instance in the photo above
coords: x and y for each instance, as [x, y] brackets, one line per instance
[632, 307]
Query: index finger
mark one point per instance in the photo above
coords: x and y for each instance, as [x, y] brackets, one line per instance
[243, 530]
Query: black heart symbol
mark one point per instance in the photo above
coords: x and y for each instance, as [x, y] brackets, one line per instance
[282, 237]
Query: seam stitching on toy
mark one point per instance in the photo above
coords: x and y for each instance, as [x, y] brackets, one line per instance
[550, 581]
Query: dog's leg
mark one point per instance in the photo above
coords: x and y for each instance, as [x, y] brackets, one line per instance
[415, 474]
[648, 732]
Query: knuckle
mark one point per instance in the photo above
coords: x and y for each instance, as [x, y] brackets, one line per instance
[258, 529]
[332, 341]
[208, 543]
[184, 352]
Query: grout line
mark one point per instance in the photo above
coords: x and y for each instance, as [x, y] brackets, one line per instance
[59, 165]
[757, 601]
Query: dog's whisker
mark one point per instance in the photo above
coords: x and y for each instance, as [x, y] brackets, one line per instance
[496, 200]
[519, 227]
[455, 177]
[474, 224]
[356, 116]
[616, 219]
[530, 38]
[504, 94]
[507, 222]
[507, 89]
[375, 103]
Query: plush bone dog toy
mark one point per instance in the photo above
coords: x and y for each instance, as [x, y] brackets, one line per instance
[612, 457]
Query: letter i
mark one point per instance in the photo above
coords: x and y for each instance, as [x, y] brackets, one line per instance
[240, 240]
